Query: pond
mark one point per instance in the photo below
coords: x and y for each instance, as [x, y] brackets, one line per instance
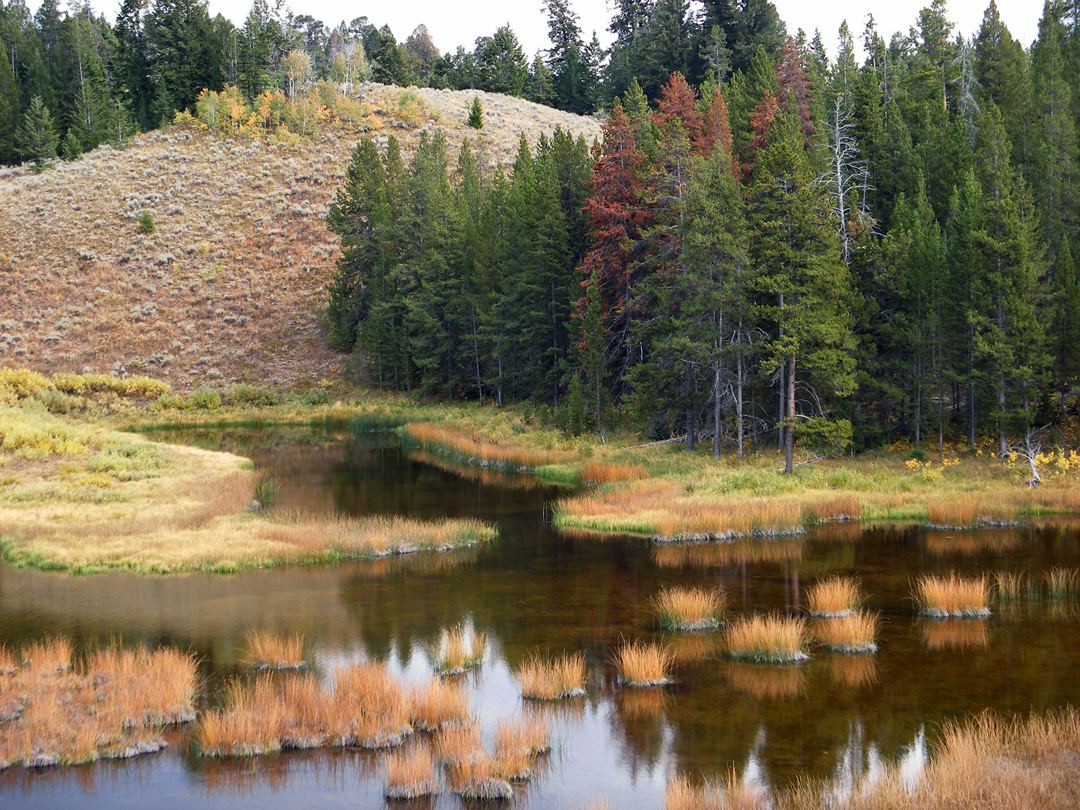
[534, 589]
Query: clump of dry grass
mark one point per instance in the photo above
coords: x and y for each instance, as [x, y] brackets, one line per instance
[767, 639]
[1062, 583]
[479, 777]
[268, 650]
[455, 744]
[852, 633]
[438, 704]
[642, 664]
[456, 652]
[527, 733]
[952, 595]
[729, 794]
[559, 678]
[410, 775]
[834, 597]
[689, 609]
[111, 705]
[969, 510]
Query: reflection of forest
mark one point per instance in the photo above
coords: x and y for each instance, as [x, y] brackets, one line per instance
[535, 589]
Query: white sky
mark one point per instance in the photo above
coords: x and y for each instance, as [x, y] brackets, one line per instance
[460, 23]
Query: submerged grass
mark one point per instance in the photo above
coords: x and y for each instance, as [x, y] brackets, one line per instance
[767, 639]
[689, 609]
[952, 595]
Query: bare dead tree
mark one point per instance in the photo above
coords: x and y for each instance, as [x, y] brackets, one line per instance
[1029, 449]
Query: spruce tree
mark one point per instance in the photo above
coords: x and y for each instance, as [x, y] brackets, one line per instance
[36, 136]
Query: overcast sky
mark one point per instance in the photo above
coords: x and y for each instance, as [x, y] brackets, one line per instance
[460, 23]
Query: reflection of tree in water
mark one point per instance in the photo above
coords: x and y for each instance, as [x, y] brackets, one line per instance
[638, 720]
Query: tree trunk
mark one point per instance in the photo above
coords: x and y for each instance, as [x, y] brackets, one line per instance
[789, 434]
[688, 390]
[716, 411]
[739, 405]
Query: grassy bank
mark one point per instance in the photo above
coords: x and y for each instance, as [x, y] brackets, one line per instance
[77, 495]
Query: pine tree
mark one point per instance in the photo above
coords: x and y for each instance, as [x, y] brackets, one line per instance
[476, 114]
[36, 136]
[9, 109]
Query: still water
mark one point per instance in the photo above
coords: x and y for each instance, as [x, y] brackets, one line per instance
[534, 589]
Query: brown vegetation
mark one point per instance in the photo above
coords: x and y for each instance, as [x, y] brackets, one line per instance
[767, 639]
[953, 595]
[438, 704]
[851, 633]
[448, 439]
[557, 678]
[689, 609]
[111, 705]
[642, 664]
[411, 774]
[456, 652]
[267, 650]
[834, 597]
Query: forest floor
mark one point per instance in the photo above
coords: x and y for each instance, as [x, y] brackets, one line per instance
[231, 284]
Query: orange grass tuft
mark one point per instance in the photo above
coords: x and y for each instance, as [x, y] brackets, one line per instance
[952, 595]
[455, 652]
[767, 639]
[642, 664]
[853, 633]
[527, 733]
[479, 777]
[834, 597]
[689, 609]
[410, 775]
[553, 679]
[457, 743]
[967, 510]
[267, 650]
[729, 794]
[438, 704]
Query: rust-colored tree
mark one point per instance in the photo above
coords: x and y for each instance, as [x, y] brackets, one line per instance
[717, 126]
[679, 99]
[795, 87]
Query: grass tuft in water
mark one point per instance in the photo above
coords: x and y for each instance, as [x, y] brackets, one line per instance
[1062, 583]
[455, 652]
[410, 774]
[851, 633]
[952, 595]
[834, 597]
[268, 650]
[558, 678]
[643, 665]
[767, 639]
[689, 609]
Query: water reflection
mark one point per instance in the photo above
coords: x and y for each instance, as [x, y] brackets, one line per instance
[843, 718]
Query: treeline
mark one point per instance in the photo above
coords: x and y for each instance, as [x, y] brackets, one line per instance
[811, 250]
[70, 81]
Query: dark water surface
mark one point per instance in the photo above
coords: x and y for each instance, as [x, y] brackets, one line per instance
[836, 717]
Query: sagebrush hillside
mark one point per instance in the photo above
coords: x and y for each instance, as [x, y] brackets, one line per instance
[230, 284]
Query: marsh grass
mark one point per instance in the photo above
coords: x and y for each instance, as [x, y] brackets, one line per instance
[730, 793]
[952, 595]
[268, 650]
[767, 639]
[1062, 583]
[1014, 586]
[852, 633]
[439, 704]
[455, 744]
[479, 777]
[969, 510]
[457, 651]
[834, 597]
[599, 472]
[689, 609]
[112, 704]
[452, 441]
[559, 678]
[528, 734]
[410, 774]
[643, 665]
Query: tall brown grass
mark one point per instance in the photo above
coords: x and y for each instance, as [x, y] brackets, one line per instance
[111, 704]
[455, 744]
[834, 597]
[767, 639]
[527, 733]
[599, 472]
[1013, 586]
[438, 704]
[410, 775]
[852, 633]
[456, 652]
[479, 777]
[731, 793]
[689, 609]
[966, 510]
[268, 650]
[953, 595]
[642, 664]
[557, 678]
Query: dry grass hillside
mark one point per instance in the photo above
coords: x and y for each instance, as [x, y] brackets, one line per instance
[230, 285]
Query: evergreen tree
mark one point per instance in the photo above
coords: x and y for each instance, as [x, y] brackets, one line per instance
[9, 109]
[36, 136]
